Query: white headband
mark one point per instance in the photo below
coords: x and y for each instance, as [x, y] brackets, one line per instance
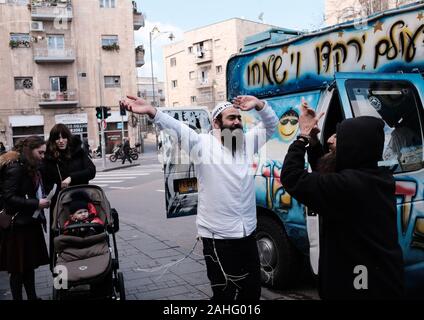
[219, 108]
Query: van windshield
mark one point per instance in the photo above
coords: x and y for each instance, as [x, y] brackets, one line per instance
[397, 103]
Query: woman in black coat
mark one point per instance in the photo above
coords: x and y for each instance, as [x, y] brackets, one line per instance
[66, 163]
[23, 248]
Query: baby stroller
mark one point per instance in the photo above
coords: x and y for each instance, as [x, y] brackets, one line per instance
[83, 264]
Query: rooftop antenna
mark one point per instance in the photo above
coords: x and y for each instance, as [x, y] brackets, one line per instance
[261, 17]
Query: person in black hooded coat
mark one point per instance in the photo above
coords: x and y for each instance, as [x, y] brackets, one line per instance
[66, 163]
[357, 208]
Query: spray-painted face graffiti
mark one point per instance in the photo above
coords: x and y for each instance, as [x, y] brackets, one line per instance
[288, 126]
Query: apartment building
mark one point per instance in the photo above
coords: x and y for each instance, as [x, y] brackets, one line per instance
[340, 11]
[145, 90]
[60, 59]
[195, 67]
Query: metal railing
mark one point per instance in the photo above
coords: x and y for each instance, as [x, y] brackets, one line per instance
[138, 20]
[54, 53]
[46, 10]
[58, 96]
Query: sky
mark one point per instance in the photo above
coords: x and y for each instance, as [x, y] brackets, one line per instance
[178, 16]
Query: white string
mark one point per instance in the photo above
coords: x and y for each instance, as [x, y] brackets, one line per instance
[227, 277]
[168, 265]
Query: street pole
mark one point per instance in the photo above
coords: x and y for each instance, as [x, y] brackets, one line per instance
[151, 65]
[122, 125]
[102, 132]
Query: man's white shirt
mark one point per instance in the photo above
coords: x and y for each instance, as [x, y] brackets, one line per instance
[226, 188]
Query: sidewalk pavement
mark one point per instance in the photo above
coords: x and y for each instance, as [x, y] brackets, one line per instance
[154, 269]
[143, 260]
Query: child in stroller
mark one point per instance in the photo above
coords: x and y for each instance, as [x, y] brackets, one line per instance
[82, 212]
[82, 223]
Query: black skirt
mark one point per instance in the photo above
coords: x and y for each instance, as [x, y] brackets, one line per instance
[23, 248]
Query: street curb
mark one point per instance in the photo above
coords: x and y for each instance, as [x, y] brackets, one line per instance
[117, 167]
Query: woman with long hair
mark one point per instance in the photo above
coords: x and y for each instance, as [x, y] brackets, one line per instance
[66, 163]
[22, 247]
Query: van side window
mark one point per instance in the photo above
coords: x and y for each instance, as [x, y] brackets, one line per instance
[333, 116]
[398, 104]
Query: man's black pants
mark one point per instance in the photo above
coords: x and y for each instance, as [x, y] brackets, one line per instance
[239, 260]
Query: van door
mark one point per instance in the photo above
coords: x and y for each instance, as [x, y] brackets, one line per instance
[397, 99]
[179, 170]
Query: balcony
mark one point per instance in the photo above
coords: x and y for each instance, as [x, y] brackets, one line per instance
[139, 56]
[52, 10]
[203, 56]
[204, 84]
[50, 98]
[54, 55]
[138, 18]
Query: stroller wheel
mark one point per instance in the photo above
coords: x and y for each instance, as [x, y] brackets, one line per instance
[121, 286]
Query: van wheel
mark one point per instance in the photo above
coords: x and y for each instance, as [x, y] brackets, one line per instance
[280, 260]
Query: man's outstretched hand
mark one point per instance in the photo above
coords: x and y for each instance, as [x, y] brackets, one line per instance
[247, 103]
[138, 105]
[308, 120]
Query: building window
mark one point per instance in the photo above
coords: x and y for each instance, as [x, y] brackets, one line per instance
[107, 3]
[175, 104]
[173, 62]
[112, 81]
[200, 49]
[109, 40]
[204, 76]
[23, 83]
[190, 50]
[192, 75]
[217, 43]
[56, 42]
[24, 132]
[174, 83]
[193, 99]
[218, 69]
[59, 84]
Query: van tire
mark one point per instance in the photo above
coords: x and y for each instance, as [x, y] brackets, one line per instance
[280, 260]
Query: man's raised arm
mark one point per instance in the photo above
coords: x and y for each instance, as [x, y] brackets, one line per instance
[162, 120]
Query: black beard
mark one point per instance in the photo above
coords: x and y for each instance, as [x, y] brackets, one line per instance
[327, 163]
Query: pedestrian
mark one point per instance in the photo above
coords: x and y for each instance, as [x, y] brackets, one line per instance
[66, 164]
[2, 148]
[126, 154]
[22, 247]
[360, 257]
[226, 213]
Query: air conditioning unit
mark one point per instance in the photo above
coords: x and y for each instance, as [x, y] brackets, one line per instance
[37, 26]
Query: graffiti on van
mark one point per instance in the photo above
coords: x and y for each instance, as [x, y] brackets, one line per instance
[385, 44]
[268, 163]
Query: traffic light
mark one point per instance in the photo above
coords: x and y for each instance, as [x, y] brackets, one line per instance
[122, 110]
[99, 112]
[106, 112]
